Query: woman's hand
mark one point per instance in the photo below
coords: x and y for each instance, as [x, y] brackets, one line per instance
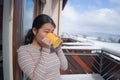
[46, 43]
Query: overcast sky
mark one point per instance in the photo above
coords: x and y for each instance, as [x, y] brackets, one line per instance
[91, 16]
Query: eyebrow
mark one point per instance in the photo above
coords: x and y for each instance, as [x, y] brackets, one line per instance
[49, 30]
[46, 29]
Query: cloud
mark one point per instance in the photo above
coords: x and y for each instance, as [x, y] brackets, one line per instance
[69, 18]
[99, 20]
[70, 13]
[115, 1]
[101, 17]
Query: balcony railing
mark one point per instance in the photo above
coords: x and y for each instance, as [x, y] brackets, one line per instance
[92, 60]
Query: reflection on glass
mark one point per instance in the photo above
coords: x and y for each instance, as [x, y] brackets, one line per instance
[28, 15]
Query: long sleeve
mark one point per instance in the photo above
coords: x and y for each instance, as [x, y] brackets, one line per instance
[34, 70]
[62, 58]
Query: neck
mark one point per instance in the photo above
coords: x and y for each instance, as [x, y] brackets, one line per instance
[36, 44]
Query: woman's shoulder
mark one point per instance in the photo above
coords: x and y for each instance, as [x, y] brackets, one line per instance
[24, 48]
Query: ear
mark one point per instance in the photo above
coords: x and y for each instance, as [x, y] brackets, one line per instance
[34, 30]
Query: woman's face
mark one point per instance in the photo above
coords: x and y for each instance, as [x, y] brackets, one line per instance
[43, 31]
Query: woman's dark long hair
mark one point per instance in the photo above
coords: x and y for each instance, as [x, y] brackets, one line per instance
[37, 23]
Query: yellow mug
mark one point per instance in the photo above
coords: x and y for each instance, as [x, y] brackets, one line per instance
[55, 40]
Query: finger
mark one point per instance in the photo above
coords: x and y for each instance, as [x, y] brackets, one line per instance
[47, 41]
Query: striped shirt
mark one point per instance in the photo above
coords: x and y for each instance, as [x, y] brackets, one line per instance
[41, 64]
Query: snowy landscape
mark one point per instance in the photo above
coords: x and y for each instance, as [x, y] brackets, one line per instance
[104, 37]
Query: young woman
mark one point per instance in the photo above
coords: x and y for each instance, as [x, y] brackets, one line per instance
[37, 58]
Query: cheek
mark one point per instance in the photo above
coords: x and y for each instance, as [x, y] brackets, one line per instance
[41, 35]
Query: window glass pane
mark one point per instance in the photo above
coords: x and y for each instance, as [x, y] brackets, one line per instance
[96, 19]
[28, 15]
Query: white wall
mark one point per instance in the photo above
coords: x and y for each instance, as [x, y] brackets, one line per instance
[7, 39]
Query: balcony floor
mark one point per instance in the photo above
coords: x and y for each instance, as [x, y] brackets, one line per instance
[82, 77]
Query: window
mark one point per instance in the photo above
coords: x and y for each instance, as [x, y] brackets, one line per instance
[92, 19]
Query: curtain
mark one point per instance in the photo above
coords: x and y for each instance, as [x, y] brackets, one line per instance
[38, 7]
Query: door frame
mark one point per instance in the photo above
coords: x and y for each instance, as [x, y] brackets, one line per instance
[12, 37]
[17, 36]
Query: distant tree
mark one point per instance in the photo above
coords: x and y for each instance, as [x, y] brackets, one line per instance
[119, 41]
[112, 40]
[76, 35]
[99, 39]
[84, 36]
[62, 36]
[105, 40]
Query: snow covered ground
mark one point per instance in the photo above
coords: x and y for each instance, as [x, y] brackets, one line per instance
[82, 77]
[113, 49]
